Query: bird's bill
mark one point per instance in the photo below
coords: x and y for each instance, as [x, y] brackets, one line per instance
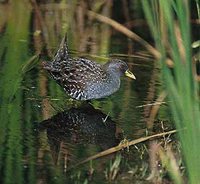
[129, 74]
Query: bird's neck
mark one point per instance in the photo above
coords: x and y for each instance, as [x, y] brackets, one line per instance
[113, 80]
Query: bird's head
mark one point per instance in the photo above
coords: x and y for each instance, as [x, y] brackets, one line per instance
[120, 67]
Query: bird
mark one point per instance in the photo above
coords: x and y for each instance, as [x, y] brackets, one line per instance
[84, 79]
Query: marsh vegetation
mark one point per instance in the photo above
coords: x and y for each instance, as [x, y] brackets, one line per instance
[147, 132]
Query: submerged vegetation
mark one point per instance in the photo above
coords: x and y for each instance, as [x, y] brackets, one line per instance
[134, 142]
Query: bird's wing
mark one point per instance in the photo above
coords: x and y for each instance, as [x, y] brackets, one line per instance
[78, 74]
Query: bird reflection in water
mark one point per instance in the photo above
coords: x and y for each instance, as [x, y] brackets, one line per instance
[79, 126]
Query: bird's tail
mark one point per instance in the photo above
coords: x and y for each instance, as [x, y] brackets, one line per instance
[63, 52]
[60, 56]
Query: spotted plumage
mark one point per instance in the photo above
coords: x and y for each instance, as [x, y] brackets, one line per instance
[84, 79]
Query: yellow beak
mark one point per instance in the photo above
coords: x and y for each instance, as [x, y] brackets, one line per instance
[128, 73]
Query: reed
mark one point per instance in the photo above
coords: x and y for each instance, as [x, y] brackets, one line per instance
[169, 23]
[15, 41]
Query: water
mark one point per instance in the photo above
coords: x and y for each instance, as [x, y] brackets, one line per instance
[43, 133]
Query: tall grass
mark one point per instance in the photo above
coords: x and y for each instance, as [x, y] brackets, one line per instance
[170, 27]
[15, 53]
